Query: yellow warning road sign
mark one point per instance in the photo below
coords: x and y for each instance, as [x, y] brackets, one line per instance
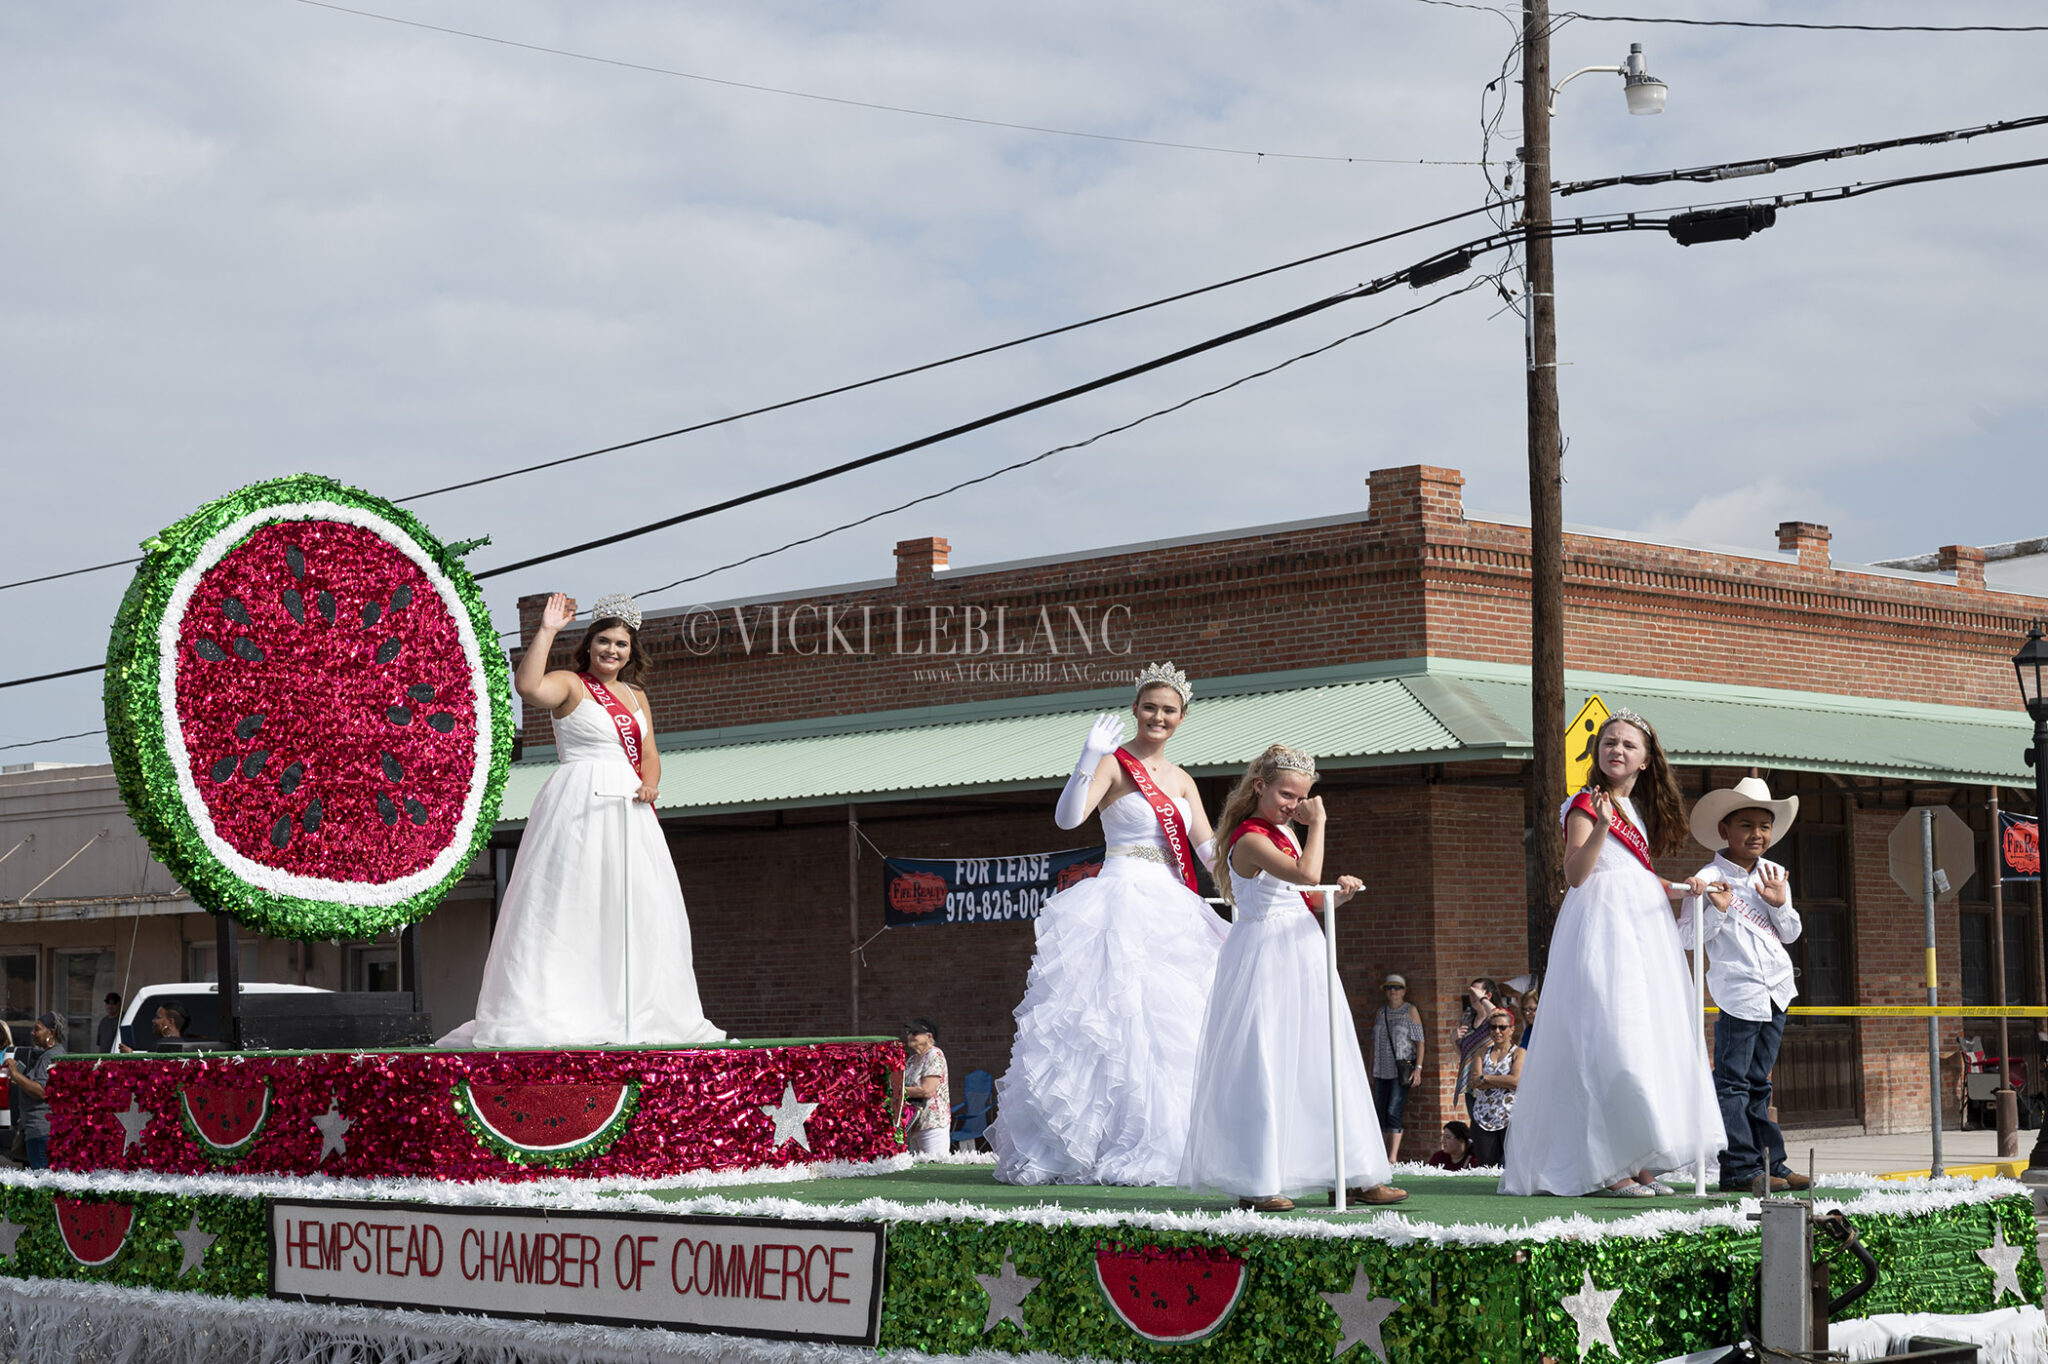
[1578, 743]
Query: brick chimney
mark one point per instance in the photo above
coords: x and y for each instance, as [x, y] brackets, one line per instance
[918, 560]
[1806, 539]
[1417, 498]
[1966, 562]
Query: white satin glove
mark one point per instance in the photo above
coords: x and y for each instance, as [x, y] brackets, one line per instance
[1105, 736]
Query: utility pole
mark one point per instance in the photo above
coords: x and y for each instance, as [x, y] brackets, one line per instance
[1546, 498]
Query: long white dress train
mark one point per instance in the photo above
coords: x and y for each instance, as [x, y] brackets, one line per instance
[1103, 1066]
[592, 890]
[1615, 1080]
[1261, 1122]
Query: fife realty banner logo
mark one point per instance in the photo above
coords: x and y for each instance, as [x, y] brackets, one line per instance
[2019, 847]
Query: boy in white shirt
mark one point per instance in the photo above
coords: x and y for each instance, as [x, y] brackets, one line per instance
[1748, 919]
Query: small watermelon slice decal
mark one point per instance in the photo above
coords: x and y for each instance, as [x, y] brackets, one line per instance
[1171, 1296]
[308, 710]
[547, 1124]
[94, 1232]
[223, 1120]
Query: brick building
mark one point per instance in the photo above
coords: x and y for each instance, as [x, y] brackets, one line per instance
[933, 714]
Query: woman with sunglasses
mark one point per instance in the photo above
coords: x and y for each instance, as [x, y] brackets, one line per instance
[1496, 1076]
[1398, 1042]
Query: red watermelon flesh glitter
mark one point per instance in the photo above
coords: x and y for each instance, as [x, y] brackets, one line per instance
[326, 704]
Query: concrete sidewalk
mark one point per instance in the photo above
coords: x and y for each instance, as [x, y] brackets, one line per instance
[1898, 1152]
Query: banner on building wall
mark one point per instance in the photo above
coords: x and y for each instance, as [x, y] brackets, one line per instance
[979, 890]
[2019, 847]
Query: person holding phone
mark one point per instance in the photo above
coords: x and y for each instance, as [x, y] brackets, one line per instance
[33, 1085]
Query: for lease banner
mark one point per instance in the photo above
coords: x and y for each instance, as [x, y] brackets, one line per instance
[785, 1280]
[969, 890]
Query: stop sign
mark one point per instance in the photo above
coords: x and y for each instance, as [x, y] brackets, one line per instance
[1955, 853]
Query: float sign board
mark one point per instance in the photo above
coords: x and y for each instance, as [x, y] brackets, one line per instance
[742, 1276]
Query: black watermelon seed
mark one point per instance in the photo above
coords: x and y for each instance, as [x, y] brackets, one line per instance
[402, 598]
[225, 768]
[442, 721]
[248, 648]
[311, 819]
[289, 782]
[398, 715]
[392, 771]
[246, 727]
[389, 649]
[232, 608]
[294, 604]
[372, 610]
[253, 764]
[295, 560]
[415, 811]
[420, 691]
[281, 832]
[325, 601]
[386, 811]
[208, 650]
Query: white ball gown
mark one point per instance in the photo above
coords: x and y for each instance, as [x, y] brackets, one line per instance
[1615, 1080]
[1103, 1066]
[593, 893]
[1261, 1123]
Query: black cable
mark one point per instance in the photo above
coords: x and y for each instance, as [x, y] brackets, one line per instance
[1818, 28]
[71, 573]
[51, 677]
[870, 104]
[1730, 170]
[55, 739]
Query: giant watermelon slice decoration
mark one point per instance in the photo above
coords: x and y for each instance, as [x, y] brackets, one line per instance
[1171, 1296]
[92, 1231]
[224, 1120]
[307, 709]
[547, 1124]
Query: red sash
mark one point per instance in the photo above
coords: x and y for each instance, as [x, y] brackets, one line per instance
[1282, 840]
[1620, 826]
[623, 720]
[1170, 822]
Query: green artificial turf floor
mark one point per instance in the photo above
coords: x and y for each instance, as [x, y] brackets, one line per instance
[1442, 1199]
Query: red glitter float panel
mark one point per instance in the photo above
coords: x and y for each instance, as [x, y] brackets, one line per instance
[698, 1109]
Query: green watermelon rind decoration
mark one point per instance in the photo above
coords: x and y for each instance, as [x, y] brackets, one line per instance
[595, 1144]
[137, 737]
[208, 1147]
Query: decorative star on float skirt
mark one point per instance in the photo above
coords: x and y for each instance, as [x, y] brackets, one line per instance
[196, 1244]
[132, 1119]
[789, 1118]
[1361, 1314]
[2004, 1262]
[10, 1232]
[333, 1130]
[1589, 1308]
[1006, 1293]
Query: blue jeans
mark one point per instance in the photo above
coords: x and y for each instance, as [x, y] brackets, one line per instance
[1744, 1053]
[1390, 1097]
[38, 1153]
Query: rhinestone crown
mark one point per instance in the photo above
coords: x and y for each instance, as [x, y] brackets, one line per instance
[1294, 760]
[1638, 721]
[618, 605]
[1165, 674]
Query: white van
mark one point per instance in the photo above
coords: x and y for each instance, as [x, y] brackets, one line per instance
[201, 1002]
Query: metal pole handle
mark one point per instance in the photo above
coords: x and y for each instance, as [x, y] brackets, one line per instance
[1334, 991]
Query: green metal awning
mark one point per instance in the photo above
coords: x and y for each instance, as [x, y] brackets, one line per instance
[1415, 710]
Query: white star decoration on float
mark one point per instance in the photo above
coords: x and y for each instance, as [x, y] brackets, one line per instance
[789, 1118]
[2004, 1262]
[1590, 1307]
[1006, 1293]
[1361, 1314]
[333, 1131]
[10, 1232]
[196, 1244]
[132, 1119]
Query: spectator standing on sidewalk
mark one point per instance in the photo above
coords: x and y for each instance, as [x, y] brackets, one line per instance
[1398, 1044]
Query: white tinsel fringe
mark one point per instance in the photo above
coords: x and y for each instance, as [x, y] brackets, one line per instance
[2011, 1335]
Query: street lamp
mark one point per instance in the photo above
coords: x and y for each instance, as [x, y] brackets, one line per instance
[1643, 91]
[2030, 664]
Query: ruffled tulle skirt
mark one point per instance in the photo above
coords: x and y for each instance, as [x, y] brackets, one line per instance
[1261, 1123]
[1102, 1069]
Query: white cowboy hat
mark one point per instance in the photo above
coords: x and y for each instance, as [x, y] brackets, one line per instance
[1748, 794]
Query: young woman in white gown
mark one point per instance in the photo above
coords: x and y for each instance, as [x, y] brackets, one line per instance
[593, 945]
[1103, 1065]
[1262, 1113]
[1615, 1090]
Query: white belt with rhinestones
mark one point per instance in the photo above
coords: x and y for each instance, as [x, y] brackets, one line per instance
[1140, 850]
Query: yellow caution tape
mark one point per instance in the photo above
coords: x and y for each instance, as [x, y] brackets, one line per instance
[1915, 1011]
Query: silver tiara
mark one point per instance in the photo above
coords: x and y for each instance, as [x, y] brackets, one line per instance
[1294, 760]
[618, 606]
[1631, 717]
[1165, 674]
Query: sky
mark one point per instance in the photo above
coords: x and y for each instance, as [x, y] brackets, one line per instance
[247, 238]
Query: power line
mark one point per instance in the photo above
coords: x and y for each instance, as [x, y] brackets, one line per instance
[54, 739]
[1818, 28]
[51, 677]
[884, 108]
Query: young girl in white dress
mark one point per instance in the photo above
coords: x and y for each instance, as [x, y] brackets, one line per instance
[1615, 1090]
[593, 945]
[1103, 1066]
[1262, 1112]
